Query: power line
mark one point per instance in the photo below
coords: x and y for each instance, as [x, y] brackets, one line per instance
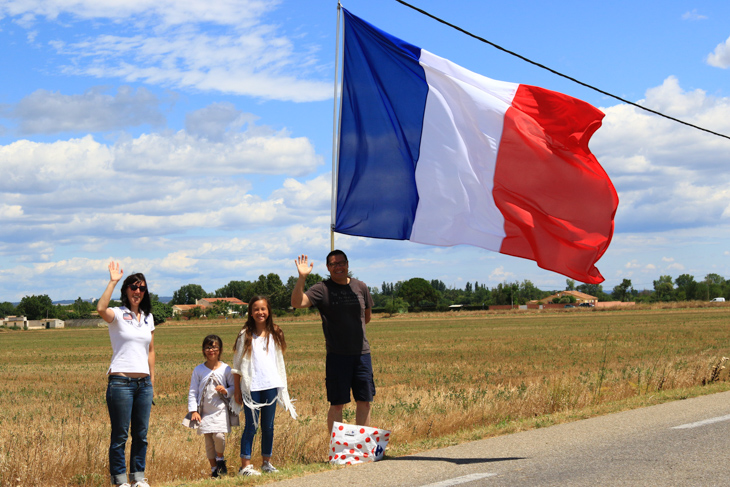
[557, 72]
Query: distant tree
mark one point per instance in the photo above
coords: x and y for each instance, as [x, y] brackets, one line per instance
[220, 308]
[417, 291]
[83, 308]
[7, 309]
[529, 292]
[570, 284]
[506, 293]
[234, 289]
[686, 287]
[482, 296]
[36, 307]
[623, 291]
[714, 279]
[160, 311]
[715, 284]
[188, 294]
[311, 280]
[395, 305]
[663, 289]
[593, 290]
[438, 285]
[271, 286]
[196, 312]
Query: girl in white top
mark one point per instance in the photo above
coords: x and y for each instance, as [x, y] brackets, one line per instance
[131, 373]
[260, 381]
[210, 383]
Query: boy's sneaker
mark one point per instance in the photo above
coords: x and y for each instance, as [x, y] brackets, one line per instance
[268, 468]
[248, 471]
[222, 468]
[141, 483]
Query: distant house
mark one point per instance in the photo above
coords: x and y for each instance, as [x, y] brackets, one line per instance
[184, 309]
[19, 321]
[25, 323]
[580, 297]
[206, 302]
[45, 324]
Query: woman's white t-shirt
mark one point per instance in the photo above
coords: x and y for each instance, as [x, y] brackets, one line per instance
[265, 369]
[130, 341]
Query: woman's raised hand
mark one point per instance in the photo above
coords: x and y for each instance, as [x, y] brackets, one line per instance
[304, 267]
[115, 273]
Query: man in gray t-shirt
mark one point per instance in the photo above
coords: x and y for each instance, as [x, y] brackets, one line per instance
[344, 304]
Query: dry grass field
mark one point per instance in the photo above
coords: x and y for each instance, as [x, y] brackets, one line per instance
[440, 378]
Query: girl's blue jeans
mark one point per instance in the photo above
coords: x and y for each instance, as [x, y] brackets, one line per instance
[267, 424]
[129, 402]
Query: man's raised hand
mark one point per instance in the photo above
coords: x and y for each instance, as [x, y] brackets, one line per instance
[304, 267]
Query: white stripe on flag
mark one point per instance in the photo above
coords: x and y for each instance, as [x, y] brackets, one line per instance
[462, 127]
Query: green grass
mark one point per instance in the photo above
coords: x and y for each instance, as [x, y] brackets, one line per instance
[441, 379]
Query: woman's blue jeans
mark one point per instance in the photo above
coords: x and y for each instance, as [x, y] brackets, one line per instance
[267, 423]
[129, 402]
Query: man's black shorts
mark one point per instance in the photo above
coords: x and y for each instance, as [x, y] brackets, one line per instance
[345, 372]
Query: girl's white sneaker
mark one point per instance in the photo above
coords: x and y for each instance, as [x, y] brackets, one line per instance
[268, 468]
[248, 471]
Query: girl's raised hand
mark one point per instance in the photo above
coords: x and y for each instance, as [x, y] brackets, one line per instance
[115, 273]
[304, 267]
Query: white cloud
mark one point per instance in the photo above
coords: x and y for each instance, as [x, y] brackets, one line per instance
[166, 12]
[225, 46]
[668, 175]
[33, 167]
[256, 64]
[48, 112]
[156, 184]
[314, 194]
[693, 15]
[500, 275]
[238, 153]
[215, 120]
[720, 57]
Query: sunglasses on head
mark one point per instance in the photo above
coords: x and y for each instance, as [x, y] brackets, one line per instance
[134, 287]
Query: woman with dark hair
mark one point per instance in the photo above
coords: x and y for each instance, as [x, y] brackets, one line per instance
[131, 373]
[259, 381]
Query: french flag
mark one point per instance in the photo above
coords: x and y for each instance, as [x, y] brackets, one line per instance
[433, 153]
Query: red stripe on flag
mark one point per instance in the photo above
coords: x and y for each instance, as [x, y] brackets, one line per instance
[557, 201]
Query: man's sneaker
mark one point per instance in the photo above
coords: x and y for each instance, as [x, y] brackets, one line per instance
[222, 468]
[268, 468]
[141, 483]
[248, 471]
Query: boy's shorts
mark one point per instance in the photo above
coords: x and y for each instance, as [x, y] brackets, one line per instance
[349, 371]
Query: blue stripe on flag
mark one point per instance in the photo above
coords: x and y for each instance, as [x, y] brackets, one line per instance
[383, 100]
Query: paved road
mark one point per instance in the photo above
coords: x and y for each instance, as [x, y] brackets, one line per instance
[682, 443]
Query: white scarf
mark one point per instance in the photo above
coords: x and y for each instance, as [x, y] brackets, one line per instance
[243, 366]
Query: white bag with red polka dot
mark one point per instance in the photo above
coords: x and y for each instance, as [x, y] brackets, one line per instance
[350, 444]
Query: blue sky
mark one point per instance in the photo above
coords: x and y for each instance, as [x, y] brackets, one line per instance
[192, 140]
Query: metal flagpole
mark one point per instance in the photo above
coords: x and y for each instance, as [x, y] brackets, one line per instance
[335, 132]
